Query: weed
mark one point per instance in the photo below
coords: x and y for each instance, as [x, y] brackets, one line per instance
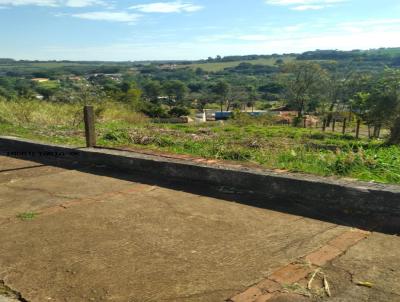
[27, 216]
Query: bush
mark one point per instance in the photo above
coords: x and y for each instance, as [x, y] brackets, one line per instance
[297, 121]
[154, 111]
[179, 111]
[116, 136]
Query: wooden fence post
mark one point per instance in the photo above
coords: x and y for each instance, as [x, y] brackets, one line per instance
[344, 126]
[358, 129]
[324, 125]
[333, 125]
[90, 132]
[305, 122]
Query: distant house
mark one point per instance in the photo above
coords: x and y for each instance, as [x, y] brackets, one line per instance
[165, 99]
[168, 67]
[40, 80]
[114, 76]
[75, 78]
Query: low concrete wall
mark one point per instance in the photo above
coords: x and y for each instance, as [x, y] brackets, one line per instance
[316, 192]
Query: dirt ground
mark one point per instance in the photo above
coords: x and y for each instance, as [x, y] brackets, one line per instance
[73, 234]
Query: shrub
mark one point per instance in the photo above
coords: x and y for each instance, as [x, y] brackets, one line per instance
[154, 111]
[116, 135]
[179, 111]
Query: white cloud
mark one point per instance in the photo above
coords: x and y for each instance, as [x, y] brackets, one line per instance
[29, 2]
[371, 22]
[308, 7]
[303, 5]
[167, 7]
[52, 3]
[302, 2]
[109, 16]
[83, 3]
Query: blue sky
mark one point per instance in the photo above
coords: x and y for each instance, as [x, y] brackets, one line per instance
[143, 29]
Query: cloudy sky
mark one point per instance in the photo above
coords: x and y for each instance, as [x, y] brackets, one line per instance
[193, 29]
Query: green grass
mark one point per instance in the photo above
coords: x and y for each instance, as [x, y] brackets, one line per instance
[49, 84]
[27, 216]
[254, 141]
[218, 66]
[274, 147]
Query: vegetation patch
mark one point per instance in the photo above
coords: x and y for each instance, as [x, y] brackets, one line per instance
[27, 216]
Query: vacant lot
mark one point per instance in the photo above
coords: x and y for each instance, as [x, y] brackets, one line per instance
[273, 147]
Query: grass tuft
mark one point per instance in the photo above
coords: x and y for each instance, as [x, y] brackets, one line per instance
[27, 216]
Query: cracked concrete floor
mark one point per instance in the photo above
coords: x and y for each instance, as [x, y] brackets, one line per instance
[102, 238]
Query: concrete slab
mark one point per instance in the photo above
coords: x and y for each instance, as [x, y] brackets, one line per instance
[374, 261]
[26, 186]
[13, 170]
[100, 238]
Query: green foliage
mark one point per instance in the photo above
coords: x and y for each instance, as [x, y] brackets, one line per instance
[27, 216]
[176, 90]
[178, 111]
[303, 81]
[152, 90]
[116, 135]
[154, 110]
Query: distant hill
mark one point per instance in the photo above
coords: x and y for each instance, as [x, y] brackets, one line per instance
[362, 60]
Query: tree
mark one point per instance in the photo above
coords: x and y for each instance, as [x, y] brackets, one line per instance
[221, 89]
[359, 104]
[379, 103]
[303, 82]
[338, 88]
[24, 88]
[384, 103]
[132, 96]
[175, 90]
[179, 111]
[152, 90]
[125, 86]
[252, 96]
[358, 89]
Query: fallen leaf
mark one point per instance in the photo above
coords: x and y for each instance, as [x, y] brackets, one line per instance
[365, 284]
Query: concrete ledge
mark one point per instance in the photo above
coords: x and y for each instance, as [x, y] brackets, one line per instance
[317, 192]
